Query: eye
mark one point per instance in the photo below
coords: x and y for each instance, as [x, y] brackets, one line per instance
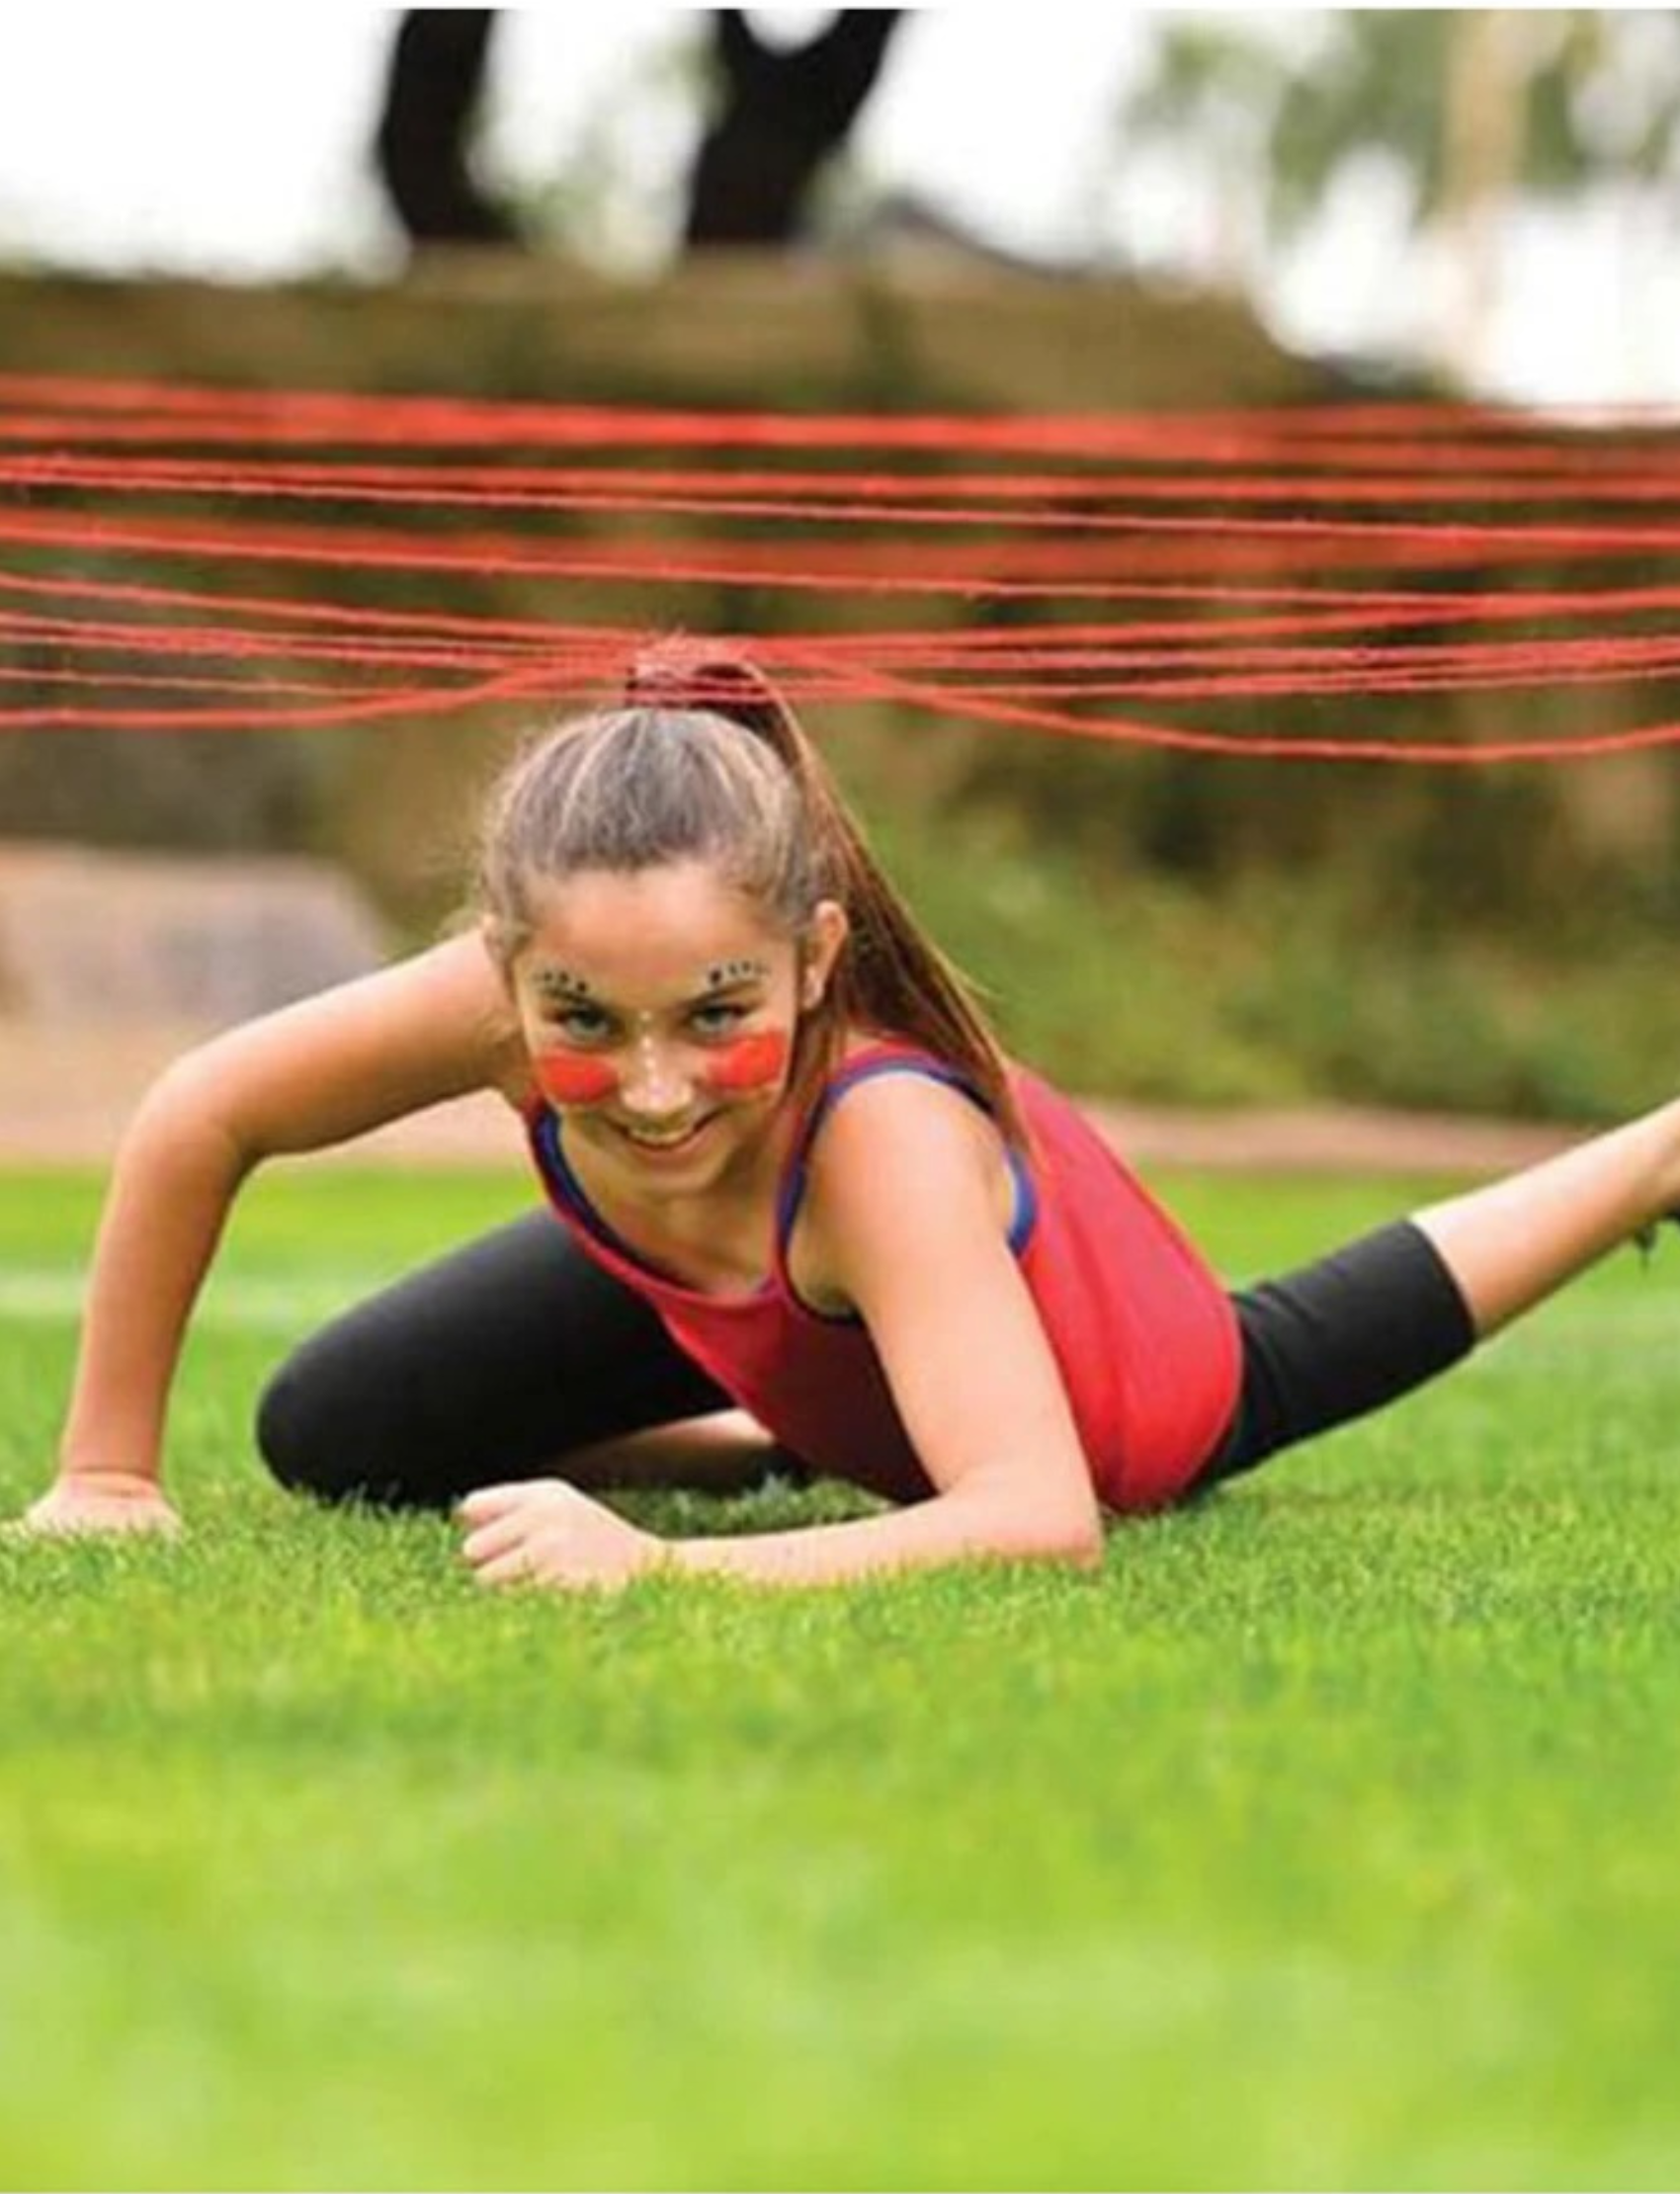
[718, 1020]
[580, 1023]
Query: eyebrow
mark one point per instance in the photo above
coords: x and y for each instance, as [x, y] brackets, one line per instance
[561, 983]
[728, 975]
[722, 976]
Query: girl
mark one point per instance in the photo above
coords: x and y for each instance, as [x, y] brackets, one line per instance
[804, 1211]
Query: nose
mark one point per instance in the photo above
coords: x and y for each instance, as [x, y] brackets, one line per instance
[655, 1084]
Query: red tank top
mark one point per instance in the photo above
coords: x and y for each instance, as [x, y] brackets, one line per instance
[1145, 1336]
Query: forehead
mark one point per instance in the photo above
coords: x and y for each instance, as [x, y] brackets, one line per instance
[649, 931]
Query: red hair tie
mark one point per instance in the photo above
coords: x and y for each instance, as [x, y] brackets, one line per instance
[704, 675]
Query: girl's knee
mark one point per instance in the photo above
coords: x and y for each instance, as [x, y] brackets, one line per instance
[336, 1423]
[302, 1435]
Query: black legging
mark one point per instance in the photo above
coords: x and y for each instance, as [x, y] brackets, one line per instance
[1337, 1338]
[489, 1365]
[498, 1360]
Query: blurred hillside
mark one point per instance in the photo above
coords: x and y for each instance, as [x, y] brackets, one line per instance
[1155, 926]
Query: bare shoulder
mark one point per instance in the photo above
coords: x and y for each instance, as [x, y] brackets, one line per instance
[459, 982]
[900, 1162]
[898, 1123]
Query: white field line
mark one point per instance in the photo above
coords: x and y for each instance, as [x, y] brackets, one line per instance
[50, 1294]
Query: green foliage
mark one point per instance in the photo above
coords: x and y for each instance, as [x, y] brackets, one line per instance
[1285, 114]
[1606, 103]
[1351, 1792]
[1435, 942]
[1378, 89]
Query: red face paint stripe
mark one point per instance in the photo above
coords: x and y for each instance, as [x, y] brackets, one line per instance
[570, 1079]
[750, 1062]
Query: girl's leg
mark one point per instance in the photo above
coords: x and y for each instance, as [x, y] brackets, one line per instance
[511, 1358]
[1365, 1325]
[1511, 1245]
[1337, 1338]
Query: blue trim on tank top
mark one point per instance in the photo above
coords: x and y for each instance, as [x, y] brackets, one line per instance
[791, 1192]
[865, 1069]
[551, 1147]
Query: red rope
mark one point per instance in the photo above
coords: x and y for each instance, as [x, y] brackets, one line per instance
[1220, 546]
[1061, 569]
[164, 411]
[922, 498]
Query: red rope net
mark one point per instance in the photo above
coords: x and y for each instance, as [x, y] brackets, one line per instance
[1218, 582]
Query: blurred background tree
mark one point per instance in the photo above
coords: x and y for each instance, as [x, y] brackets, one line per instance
[1448, 938]
[781, 116]
[424, 145]
[778, 115]
[1464, 112]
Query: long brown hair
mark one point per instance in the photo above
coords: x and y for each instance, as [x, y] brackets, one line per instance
[706, 761]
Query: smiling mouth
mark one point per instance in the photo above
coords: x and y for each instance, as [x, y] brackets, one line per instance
[641, 1139]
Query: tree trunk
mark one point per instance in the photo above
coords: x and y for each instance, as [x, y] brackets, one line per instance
[1488, 62]
[782, 115]
[432, 95]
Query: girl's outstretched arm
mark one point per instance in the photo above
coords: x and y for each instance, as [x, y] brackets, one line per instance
[313, 1075]
[910, 1231]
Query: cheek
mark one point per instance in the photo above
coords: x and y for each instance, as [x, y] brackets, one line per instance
[567, 1078]
[750, 1062]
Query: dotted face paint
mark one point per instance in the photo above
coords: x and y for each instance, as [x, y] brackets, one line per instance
[728, 971]
[749, 1064]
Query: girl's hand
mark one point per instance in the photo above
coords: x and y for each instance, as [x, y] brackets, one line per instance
[98, 1502]
[545, 1531]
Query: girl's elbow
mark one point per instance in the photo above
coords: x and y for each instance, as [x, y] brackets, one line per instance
[1080, 1544]
[183, 1113]
[1069, 1537]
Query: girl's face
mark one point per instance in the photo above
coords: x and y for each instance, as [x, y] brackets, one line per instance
[660, 1012]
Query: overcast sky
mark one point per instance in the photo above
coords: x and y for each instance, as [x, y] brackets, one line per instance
[231, 141]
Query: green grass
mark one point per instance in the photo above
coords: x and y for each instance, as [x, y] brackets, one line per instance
[1326, 1839]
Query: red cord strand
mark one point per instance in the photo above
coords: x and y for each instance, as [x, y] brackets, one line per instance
[1227, 560]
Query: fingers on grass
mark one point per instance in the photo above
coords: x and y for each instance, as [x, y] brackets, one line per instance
[513, 1568]
[490, 1541]
[486, 1502]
